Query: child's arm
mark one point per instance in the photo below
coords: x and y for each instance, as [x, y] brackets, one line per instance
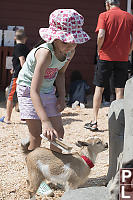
[43, 58]
[22, 60]
[19, 53]
[60, 85]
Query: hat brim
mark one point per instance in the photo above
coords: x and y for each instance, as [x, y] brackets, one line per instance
[77, 37]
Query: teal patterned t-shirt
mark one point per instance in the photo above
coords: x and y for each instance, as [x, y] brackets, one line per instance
[27, 71]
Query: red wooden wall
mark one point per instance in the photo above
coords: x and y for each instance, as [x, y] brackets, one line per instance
[34, 14]
[5, 76]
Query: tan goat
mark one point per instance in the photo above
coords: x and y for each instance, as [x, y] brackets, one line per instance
[69, 170]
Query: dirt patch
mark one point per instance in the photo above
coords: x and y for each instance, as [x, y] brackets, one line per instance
[13, 171]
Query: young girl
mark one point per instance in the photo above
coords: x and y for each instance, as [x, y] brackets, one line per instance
[45, 65]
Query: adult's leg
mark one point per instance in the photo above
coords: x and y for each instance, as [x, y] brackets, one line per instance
[58, 126]
[97, 99]
[119, 93]
[101, 77]
[35, 129]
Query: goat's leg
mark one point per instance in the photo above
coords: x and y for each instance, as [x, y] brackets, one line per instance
[73, 183]
[70, 186]
[35, 179]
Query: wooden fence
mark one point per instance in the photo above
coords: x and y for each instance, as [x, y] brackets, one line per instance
[5, 76]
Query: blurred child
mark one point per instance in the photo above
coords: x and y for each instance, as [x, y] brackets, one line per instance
[19, 56]
[78, 89]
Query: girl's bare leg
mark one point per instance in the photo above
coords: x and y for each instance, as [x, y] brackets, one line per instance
[35, 129]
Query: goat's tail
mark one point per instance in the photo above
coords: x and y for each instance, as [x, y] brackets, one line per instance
[24, 145]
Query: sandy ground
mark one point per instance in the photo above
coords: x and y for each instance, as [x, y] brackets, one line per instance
[13, 171]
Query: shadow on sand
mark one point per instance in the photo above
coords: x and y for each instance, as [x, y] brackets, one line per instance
[69, 114]
[99, 181]
[69, 121]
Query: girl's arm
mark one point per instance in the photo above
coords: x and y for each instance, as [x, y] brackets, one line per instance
[60, 84]
[43, 59]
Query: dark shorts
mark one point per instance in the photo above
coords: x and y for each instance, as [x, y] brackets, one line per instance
[105, 69]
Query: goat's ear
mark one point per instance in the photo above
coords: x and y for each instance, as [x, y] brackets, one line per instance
[81, 144]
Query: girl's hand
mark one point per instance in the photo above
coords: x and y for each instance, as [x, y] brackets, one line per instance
[48, 131]
[60, 104]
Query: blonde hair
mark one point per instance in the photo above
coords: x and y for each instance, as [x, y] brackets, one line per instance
[20, 34]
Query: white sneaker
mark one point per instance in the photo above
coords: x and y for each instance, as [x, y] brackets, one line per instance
[74, 105]
[82, 105]
[44, 190]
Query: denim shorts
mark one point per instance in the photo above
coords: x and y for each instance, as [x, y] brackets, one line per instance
[26, 107]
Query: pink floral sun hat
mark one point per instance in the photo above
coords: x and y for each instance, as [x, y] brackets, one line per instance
[65, 25]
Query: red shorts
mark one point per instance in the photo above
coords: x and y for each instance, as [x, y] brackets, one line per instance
[12, 89]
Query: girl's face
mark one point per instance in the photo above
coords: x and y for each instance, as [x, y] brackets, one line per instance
[64, 47]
